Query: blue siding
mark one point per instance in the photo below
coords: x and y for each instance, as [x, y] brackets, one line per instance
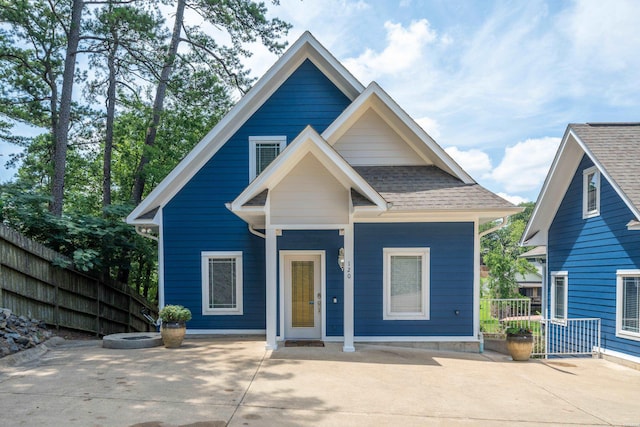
[591, 250]
[196, 219]
[451, 279]
[329, 241]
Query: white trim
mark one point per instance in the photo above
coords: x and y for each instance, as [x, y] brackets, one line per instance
[282, 254]
[205, 256]
[281, 140]
[434, 216]
[160, 259]
[368, 98]
[555, 186]
[416, 339]
[555, 274]
[271, 288]
[306, 47]
[619, 355]
[308, 141]
[348, 286]
[191, 331]
[620, 333]
[586, 213]
[476, 278]
[388, 253]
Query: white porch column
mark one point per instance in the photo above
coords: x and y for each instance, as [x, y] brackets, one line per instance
[271, 262]
[476, 279]
[348, 290]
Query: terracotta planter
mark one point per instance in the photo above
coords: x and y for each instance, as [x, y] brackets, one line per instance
[173, 333]
[520, 346]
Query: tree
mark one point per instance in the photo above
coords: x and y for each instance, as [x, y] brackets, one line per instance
[61, 134]
[244, 21]
[501, 254]
[119, 37]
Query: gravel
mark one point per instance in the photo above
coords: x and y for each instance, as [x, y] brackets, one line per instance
[19, 333]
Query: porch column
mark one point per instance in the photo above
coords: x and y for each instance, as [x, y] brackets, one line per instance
[271, 262]
[348, 346]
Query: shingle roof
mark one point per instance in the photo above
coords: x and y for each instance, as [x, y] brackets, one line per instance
[616, 146]
[428, 188]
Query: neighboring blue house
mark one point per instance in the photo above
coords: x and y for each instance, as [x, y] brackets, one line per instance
[588, 217]
[318, 209]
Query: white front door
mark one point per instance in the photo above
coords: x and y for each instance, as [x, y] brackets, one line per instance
[302, 297]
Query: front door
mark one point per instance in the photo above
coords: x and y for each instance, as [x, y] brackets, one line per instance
[303, 299]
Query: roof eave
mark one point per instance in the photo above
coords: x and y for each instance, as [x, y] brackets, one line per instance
[306, 47]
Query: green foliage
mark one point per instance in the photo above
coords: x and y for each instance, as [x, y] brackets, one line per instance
[174, 313]
[501, 254]
[127, 43]
[100, 245]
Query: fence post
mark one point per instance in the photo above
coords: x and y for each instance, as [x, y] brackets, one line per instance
[1, 282]
[98, 288]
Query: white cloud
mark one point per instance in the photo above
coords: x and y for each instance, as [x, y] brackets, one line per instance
[525, 165]
[516, 200]
[475, 162]
[403, 51]
[431, 126]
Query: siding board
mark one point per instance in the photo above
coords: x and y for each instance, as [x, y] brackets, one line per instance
[591, 251]
[197, 220]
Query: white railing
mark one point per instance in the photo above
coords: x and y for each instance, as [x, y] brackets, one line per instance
[496, 315]
[570, 337]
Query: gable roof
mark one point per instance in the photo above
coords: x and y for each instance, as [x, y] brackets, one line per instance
[420, 141]
[428, 188]
[306, 47]
[614, 148]
[251, 203]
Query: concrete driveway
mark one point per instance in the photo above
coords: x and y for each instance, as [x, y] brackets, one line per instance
[215, 382]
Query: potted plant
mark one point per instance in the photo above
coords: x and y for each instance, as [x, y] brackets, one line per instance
[519, 343]
[174, 319]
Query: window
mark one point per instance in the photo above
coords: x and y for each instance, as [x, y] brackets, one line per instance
[559, 292]
[590, 193]
[262, 151]
[222, 283]
[628, 304]
[406, 283]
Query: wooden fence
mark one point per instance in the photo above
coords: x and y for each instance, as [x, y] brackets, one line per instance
[31, 285]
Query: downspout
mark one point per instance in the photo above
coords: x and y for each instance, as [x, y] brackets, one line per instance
[255, 232]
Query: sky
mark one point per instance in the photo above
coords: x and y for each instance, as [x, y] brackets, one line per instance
[495, 83]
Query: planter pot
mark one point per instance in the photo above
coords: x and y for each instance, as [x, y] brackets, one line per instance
[520, 346]
[173, 333]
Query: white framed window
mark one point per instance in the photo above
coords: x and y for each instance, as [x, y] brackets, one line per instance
[406, 283]
[628, 304]
[262, 151]
[590, 192]
[559, 294]
[222, 283]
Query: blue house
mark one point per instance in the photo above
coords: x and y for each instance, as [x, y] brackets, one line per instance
[318, 209]
[588, 216]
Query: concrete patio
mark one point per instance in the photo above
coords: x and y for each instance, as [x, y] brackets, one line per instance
[219, 381]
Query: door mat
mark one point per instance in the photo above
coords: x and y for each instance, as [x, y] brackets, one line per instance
[303, 343]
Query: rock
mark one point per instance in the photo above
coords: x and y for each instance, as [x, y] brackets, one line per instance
[20, 332]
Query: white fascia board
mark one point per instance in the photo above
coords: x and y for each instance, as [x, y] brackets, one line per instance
[555, 185]
[308, 141]
[306, 47]
[608, 177]
[562, 170]
[435, 216]
[368, 99]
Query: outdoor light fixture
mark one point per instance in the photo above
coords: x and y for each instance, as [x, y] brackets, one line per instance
[341, 258]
